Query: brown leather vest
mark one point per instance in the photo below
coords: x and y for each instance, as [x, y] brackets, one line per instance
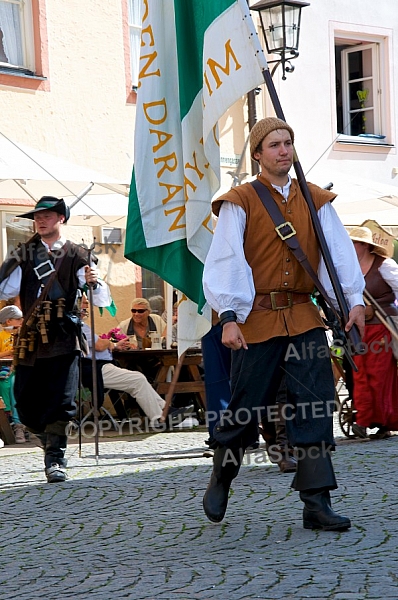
[273, 266]
[380, 290]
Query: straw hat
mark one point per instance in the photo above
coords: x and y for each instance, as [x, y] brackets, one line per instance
[262, 128]
[364, 234]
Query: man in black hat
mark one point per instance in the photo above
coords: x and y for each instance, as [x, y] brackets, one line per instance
[47, 273]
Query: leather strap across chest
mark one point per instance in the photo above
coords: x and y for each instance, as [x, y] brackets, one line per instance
[287, 233]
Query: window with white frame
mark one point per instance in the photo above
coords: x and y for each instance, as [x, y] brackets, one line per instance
[360, 85]
[14, 230]
[16, 36]
[135, 38]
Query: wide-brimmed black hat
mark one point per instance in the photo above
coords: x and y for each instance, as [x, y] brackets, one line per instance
[49, 203]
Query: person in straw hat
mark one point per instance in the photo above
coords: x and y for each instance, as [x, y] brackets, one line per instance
[376, 382]
[262, 296]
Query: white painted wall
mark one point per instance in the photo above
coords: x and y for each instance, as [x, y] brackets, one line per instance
[84, 118]
[308, 101]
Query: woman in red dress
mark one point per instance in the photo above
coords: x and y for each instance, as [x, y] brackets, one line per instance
[376, 382]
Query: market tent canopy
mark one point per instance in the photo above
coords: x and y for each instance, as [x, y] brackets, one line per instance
[358, 199]
[26, 173]
[93, 210]
[384, 210]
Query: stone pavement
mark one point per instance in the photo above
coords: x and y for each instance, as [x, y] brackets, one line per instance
[132, 526]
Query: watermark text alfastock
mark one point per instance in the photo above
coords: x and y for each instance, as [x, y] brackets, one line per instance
[338, 349]
[28, 251]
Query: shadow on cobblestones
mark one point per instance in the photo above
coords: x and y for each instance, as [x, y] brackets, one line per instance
[133, 527]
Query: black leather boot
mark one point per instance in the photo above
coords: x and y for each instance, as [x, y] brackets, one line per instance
[318, 512]
[226, 464]
[314, 478]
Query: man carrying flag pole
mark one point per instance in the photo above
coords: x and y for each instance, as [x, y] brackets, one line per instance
[271, 324]
[197, 59]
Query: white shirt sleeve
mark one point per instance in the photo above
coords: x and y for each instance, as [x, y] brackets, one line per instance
[99, 355]
[389, 271]
[344, 259]
[101, 294]
[9, 288]
[227, 277]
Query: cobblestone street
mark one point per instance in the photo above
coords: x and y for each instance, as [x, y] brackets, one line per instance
[132, 526]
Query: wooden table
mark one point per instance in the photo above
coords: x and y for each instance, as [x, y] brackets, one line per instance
[167, 359]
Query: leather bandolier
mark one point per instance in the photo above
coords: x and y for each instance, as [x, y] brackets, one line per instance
[52, 328]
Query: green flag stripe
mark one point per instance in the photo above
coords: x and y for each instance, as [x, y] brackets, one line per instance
[193, 17]
[176, 265]
[135, 240]
[172, 262]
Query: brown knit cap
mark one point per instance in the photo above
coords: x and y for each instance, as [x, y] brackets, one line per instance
[262, 128]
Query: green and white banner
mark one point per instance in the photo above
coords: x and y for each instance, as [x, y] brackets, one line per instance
[197, 58]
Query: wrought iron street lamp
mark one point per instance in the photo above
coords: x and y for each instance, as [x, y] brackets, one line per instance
[280, 25]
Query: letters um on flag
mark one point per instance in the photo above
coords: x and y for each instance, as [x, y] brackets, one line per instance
[197, 58]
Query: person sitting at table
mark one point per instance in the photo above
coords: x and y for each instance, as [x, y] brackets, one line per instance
[142, 322]
[110, 376]
[11, 318]
[157, 305]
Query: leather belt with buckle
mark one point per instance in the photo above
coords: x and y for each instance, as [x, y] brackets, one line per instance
[279, 300]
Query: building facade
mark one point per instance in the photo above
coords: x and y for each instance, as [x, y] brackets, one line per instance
[341, 101]
[68, 83]
[68, 76]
